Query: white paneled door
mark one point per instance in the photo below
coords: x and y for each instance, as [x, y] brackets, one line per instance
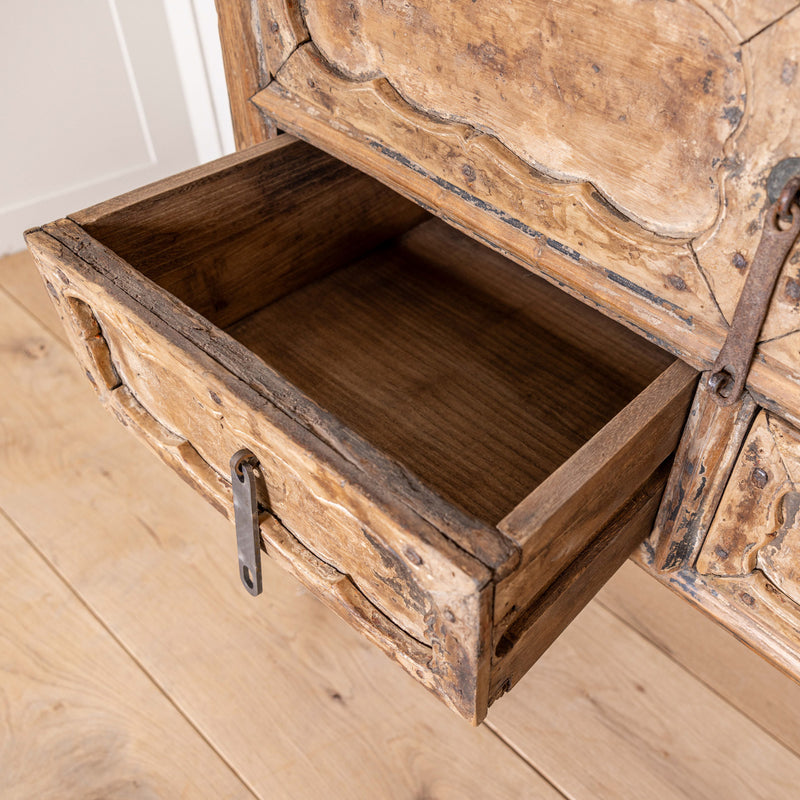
[100, 96]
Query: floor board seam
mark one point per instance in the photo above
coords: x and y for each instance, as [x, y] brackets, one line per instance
[696, 676]
[525, 759]
[84, 603]
[58, 336]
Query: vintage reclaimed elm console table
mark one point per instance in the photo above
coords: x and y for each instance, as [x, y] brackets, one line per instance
[452, 350]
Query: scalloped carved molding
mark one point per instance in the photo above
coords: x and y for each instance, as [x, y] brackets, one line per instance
[614, 93]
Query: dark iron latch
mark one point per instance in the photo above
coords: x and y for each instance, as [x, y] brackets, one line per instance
[780, 232]
[245, 512]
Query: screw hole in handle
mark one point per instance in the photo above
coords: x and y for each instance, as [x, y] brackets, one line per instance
[245, 575]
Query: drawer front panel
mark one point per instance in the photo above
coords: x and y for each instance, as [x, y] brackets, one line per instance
[377, 563]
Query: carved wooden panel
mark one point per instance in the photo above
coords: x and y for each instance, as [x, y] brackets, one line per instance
[587, 116]
[748, 17]
[620, 149]
[747, 572]
[757, 527]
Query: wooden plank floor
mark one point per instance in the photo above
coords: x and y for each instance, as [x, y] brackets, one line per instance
[132, 664]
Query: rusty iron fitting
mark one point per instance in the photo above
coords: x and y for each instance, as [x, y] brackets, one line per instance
[779, 234]
[789, 195]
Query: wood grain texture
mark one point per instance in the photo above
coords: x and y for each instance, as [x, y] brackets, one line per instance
[770, 132]
[706, 455]
[282, 29]
[477, 540]
[298, 703]
[537, 627]
[16, 278]
[679, 738]
[239, 232]
[244, 71]
[768, 135]
[745, 574]
[747, 17]
[750, 607]
[558, 519]
[749, 513]
[80, 719]
[479, 377]
[437, 390]
[441, 612]
[563, 231]
[757, 526]
[611, 100]
[286, 658]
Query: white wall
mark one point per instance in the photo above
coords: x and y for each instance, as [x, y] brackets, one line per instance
[100, 96]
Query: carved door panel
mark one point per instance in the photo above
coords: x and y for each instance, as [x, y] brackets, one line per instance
[757, 526]
[621, 149]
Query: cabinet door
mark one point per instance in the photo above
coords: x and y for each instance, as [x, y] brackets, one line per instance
[620, 149]
[747, 571]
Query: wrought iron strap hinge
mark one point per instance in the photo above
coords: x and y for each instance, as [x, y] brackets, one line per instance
[778, 236]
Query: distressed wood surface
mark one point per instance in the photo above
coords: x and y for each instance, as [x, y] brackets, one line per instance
[593, 93]
[745, 574]
[440, 612]
[748, 17]
[707, 452]
[351, 725]
[80, 719]
[438, 390]
[441, 124]
[297, 703]
[563, 231]
[179, 592]
[750, 607]
[281, 30]
[768, 134]
[404, 566]
[750, 511]
[16, 278]
[245, 71]
[530, 634]
[231, 236]
[460, 365]
[756, 527]
[559, 517]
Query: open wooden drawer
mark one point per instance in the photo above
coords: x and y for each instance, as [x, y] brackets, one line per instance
[453, 454]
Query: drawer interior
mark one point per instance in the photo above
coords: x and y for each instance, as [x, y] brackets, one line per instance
[464, 367]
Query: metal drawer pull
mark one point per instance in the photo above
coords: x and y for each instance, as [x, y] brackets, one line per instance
[245, 511]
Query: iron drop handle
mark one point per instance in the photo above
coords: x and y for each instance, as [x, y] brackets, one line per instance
[245, 512]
